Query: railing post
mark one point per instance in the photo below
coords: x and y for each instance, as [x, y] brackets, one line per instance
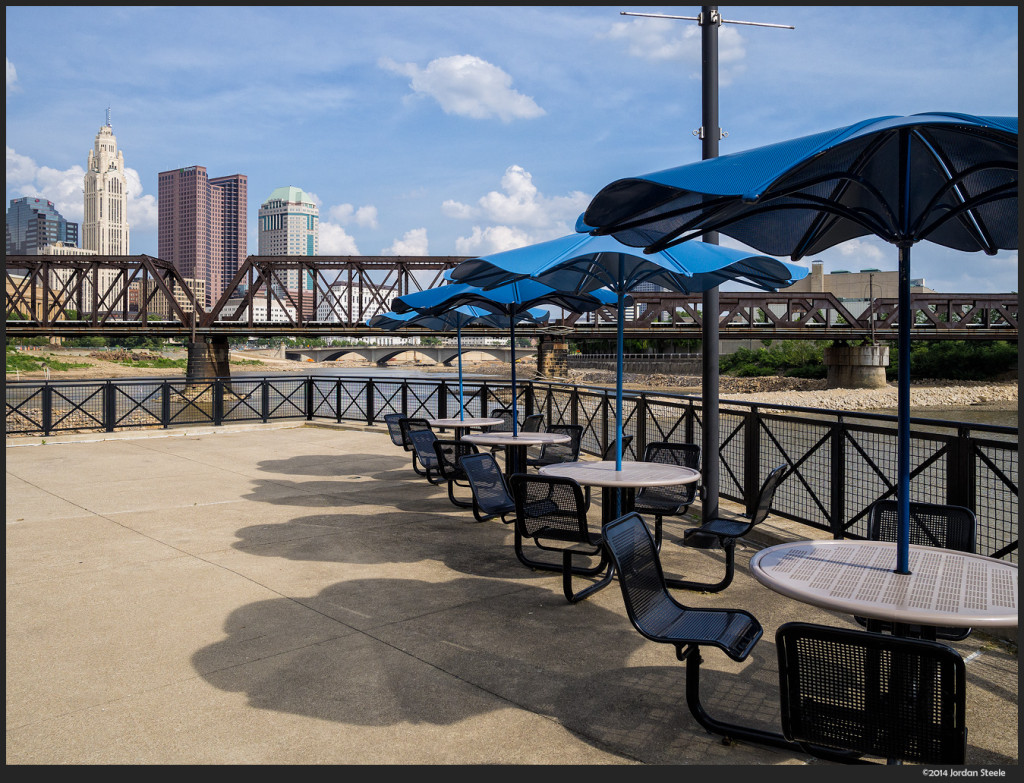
[47, 402]
[837, 501]
[960, 484]
[751, 459]
[641, 425]
[371, 389]
[264, 399]
[218, 402]
[442, 402]
[309, 398]
[165, 404]
[405, 397]
[604, 421]
[109, 406]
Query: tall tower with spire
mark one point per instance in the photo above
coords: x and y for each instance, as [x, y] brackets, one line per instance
[105, 226]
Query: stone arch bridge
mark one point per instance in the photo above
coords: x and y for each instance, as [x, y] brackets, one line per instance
[382, 354]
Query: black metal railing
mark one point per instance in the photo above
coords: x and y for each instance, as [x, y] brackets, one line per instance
[841, 462]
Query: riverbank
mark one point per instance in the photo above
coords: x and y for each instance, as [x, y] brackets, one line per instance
[994, 396]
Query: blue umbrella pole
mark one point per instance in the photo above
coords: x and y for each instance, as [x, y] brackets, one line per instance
[458, 339]
[618, 382]
[903, 418]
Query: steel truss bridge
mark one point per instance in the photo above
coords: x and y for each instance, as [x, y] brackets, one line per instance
[144, 296]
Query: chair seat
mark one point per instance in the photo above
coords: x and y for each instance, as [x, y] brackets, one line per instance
[729, 528]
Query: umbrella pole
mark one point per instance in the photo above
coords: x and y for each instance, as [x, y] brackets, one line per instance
[515, 405]
[458, 338]
[903, 417]
[618, 371]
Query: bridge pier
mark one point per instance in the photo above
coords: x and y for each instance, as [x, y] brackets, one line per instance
[856, 366]
[553, 358]
[207, 359]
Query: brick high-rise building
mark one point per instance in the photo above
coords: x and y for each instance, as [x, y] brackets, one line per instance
[202, 225]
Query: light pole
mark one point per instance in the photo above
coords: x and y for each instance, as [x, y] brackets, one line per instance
[709, 133]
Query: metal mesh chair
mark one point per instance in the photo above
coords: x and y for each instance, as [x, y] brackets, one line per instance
[423, 447]
[668, 501]
[553, 453]
[722, 532]
[609, 451]
[395, 430]
[661, 618]
[931, 524]
[491, 495]
[505, 414]
[449, 454]
[533, 423]
[407, 425]
[895, 698]
[551, 512]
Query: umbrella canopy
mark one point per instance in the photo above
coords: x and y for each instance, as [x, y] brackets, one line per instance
[457, 318]
[945, 178]
[511, 301]
[580, 263]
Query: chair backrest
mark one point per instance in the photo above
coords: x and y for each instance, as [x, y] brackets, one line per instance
[685, 455]
[549, 507]
[533, 423]
[408, 424]
[931, 524]
[487, 482]
[654, 612]
[564, 452]
[448, 453]
[395, 429]
[423, 444]
[506, 415]
[609, 451]
[873, 694]
[767, 494]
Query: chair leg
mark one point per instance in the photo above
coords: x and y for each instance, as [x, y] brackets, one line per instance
[416, 466]
[543, 566]
[729, 547]
[732, 731]
[567, 572]
[457, 501]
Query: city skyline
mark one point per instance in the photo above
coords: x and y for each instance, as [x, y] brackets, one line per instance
[464, 131]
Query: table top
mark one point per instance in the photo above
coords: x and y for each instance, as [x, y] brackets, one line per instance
[521, 438]
[634, 473]
[944, 587]
[469, 421]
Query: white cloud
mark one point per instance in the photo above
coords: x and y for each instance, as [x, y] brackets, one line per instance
[335, 241]
[412, 243]
[864, 251]
[520, 203]
[493, 239]
[64, 188]
[468, 87]
[365, 216]
[661, 40]
[12, 78]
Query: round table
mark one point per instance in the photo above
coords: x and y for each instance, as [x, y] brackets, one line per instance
[944, 587]
[515, 445]
[461, 426]
[618, 487]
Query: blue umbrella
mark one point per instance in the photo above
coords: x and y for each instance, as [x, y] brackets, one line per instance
[946, 178]
[509, 300]
[581, 263]
[457, 318]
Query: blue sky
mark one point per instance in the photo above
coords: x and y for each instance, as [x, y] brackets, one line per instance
[468, 130]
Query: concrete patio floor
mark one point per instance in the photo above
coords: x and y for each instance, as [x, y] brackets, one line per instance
[290, 594]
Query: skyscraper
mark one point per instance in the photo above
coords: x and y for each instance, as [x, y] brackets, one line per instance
[105, 226]
[34, 223]
[202, 225]
[289, 225]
